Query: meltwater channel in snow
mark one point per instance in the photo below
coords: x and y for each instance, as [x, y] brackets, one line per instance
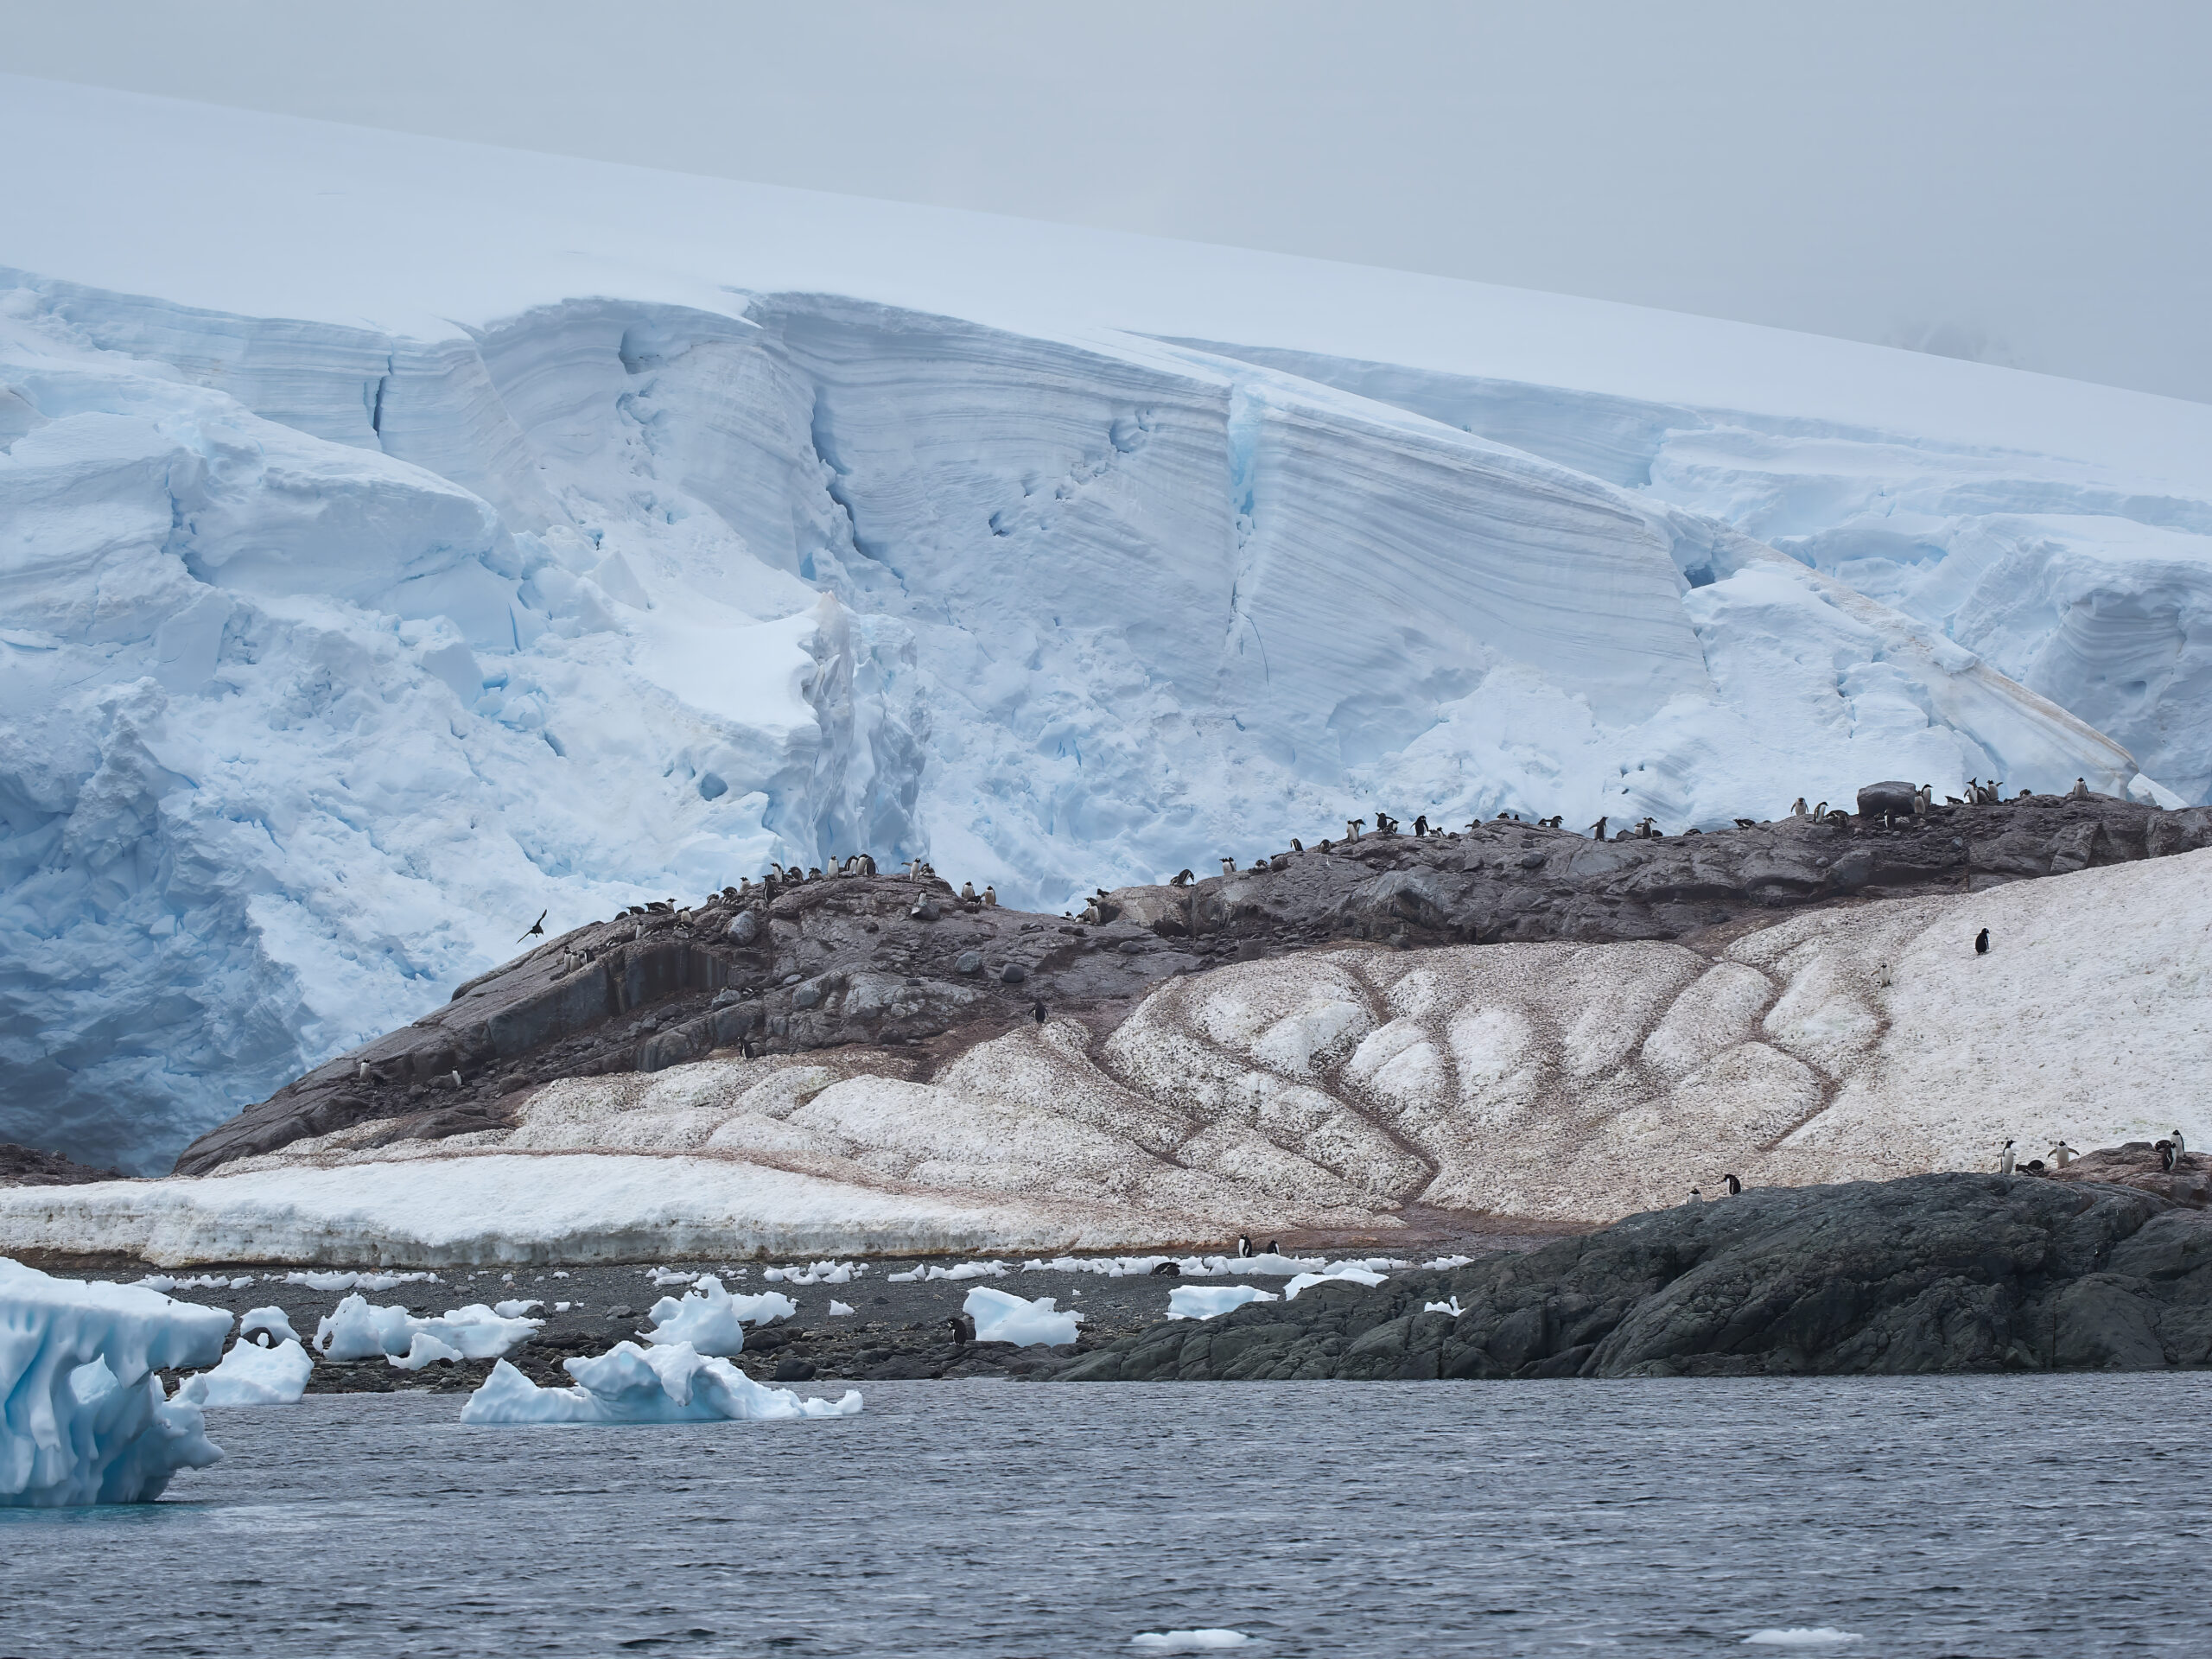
[399, 537]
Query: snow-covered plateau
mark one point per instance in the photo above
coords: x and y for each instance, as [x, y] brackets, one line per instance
[399, 538]
[1337, 1088]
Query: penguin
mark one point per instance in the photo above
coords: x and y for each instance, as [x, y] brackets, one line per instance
[1644, 831]
[967, 892]
[2080, 792]
[1420, 826]
[1598, 830]
[1180, 878]
[1922, 799]
[1244, 1245]
[963, 1330]
[2062, 1154]
[2005, 1158]
[1164, 1270]
[1797, 807]
[1384, 823]
[990, 897]
[1734, 1185]
[1981, 943]
[362, 1074]
[1296, 845]
[1747, 823]
[2180, 1150]
[2166, 1150]
[1040, 1011]
[456, 1077]
[1271, 1250]
[1696, 1197]
[1228, 866]
[1820, 811]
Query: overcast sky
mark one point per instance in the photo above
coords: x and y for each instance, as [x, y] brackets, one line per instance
[2023, 181]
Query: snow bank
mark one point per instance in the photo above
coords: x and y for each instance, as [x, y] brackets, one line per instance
[359, 1281]
[251, 1375]
[711, 1320]
[357, 1329]
[1001, 1317]
[630, 1385]
[1209, 1301]
[822, 1272]
[82, 1418]
[543, 559]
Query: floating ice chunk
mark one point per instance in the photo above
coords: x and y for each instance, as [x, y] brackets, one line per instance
[515, 1310]
[1446, 1263]
[361, 1281]
[838, 1310]
[82, 1420]
[1818, 1635]
[822, 1272]
[1187, 1641]
[271, 1319]
[630, 1385]
[1002, 1317]
[1451, 1307]
[712, 1321]
[357, 1329]
[1348, 1276]
[1210, 1302]
[250, 1375]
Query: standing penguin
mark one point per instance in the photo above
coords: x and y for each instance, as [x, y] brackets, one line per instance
[1244, 1245]
[1981, 946]
[1734, 1185]
[1039, 1010]
[2005, 1158]
[2180, 1150]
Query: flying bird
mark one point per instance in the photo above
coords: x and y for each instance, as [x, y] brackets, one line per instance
[536, 928]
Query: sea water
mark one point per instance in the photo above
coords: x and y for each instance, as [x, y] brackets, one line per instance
[1983, 1516]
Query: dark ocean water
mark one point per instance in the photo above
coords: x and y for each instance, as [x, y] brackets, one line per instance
[1993, 1516]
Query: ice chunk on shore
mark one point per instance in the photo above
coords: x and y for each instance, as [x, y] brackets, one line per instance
[250, 1375]
[1210, 1302]
[271, 1319]
[1002, 1317]
[82, 1418]
[822, 1272]
[712, 1321]
[838, 1310]
[423, 1349]
[630, 1385]
[378, 1281]
[1451, 1307]
[358, 1329]
[162, 1282]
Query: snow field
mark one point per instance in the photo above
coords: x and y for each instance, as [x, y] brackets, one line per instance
[83, 1419]
[630, 1385]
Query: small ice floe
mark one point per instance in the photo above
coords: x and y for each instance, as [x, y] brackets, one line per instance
[822, 1272]
[271, 1321]
[361, 1281]
[671, 1276]
[1002, 1317]
[1446, 1263]
[1451, 1307]
[1210, 1302]
[251, 1375]
[838, 1310]
[1800, 1636]
[711, 1320]
[1187, 1641]
[356, 1329]
[630, 1385]
[1347, 1275]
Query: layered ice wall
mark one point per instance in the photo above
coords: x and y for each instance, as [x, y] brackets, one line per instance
[332, 649]
[82, 1417]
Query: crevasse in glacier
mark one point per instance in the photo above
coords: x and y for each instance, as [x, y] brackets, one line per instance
[332, 649]
[82, 1417]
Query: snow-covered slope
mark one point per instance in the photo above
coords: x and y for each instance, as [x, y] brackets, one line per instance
[1332, 1089]
[397, 538]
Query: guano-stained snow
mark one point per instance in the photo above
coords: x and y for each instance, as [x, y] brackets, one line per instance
[1334, 1088]
[376, 569]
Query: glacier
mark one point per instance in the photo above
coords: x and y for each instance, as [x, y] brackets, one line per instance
[400, 538]
[83, 1418]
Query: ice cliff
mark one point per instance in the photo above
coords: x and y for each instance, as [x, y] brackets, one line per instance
[377, 571]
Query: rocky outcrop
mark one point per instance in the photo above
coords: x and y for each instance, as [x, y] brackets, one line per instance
[27, 1166]
[890, 964]
[1936, 1272]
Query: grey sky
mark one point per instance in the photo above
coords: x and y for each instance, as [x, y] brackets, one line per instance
[2025, 182]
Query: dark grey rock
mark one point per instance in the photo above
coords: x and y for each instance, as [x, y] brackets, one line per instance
[1937, 1273]
[1894, 796]
[806, 996]
[969, 962]
[746, 928]
[792, 1370]
[1012, 974]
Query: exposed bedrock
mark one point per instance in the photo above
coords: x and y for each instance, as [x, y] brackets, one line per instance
[912, 974]
[1933, 1273]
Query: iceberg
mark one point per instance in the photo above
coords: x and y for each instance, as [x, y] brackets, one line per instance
[250, 1375]
[271, 1319]
[1210, 1302]
[793, 526]
[83, 1419]
[357, 1329]
[711, 1320]
[1002, 1317]
[630, 1385]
